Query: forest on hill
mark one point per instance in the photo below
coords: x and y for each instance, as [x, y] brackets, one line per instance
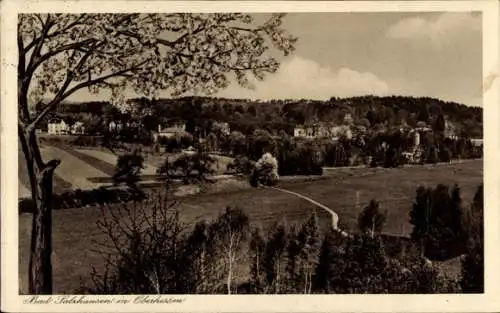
[283, 115]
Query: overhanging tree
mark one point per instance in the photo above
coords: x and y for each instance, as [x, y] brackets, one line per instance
[61, 54]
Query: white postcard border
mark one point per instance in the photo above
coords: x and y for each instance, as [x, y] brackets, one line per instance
[489, 301]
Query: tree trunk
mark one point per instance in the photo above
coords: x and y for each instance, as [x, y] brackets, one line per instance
[40, 272]
[278, 274]
[41, 177]
[230, 273]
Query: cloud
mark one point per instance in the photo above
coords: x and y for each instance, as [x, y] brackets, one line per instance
[442, 28]
[304, 78]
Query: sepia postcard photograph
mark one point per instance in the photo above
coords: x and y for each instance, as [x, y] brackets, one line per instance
[282, 156]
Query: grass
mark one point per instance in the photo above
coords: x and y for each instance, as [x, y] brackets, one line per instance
[74, 230]
[60, 185]
[110, 158]
[105, 167]
[90, 168]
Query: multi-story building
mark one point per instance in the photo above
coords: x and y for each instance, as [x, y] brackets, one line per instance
[322, 130]
[57, 126]
[175, 130]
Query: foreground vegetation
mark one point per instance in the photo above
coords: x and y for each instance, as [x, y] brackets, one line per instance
[155, 252]
[76, 233]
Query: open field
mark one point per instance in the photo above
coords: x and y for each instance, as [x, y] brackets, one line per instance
[75, 229]
[83, 168]
[60, 184]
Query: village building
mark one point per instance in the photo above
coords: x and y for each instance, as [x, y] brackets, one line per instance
[57, 126]
[115, 126]
[175, 130]
[477, 142]
[321, 130]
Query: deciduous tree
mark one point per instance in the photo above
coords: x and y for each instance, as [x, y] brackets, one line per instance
[257, 255]
[275, 257]
[265, 171]
[371, 220]
[61, 54]
[227, 236]
[472, 280]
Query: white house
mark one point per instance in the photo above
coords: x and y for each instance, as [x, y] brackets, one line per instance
[477, 142]
[322, 131]
[114, 126]
[174, 131]
[57, 126]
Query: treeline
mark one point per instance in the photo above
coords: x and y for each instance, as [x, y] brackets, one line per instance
[376, 138]
[157, 253]
[298, 156]
[246, 116]
[81, 198]
[274, 116]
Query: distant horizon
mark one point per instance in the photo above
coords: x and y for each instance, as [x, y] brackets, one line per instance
[275, 99]
[342, 54]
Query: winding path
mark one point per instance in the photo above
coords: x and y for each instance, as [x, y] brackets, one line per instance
[335, 216]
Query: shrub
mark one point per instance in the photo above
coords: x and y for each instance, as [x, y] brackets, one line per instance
[437, 218]
[445, 154]
[371, 220]
[265, 171]
[143, 258]
[197, 165]
[128, 168]
[432, 156]
[152, 252]
[79, 198]
[362, 265]
[472, 280]
[241, 165]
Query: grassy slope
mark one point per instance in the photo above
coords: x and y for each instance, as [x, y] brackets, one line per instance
[105, 167]
[75, 229]
[60, 185]
[99, 162]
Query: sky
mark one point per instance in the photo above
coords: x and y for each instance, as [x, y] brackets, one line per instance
[352, 54]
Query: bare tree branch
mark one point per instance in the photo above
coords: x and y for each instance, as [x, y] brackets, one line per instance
[56, 32]
[67, 27]
[58, 97]
[48, 55]
[63, 95]
[39, 44]
[101, 79]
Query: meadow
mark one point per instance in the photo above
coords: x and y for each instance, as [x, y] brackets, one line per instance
[75, 230]
[89, 168]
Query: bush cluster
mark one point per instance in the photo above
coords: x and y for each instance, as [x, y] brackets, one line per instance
[295, 259]
[287, 259]
[81, 198]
